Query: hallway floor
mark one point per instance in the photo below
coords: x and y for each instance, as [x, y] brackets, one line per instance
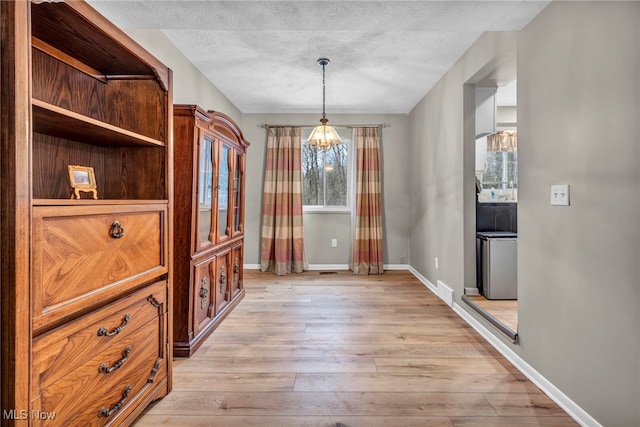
[340, 350]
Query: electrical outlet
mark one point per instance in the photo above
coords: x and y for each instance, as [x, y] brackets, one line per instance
[560, 195]
[436, 263]
[334, 243]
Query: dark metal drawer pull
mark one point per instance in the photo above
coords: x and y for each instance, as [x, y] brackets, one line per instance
[117, 230]
[204, 292]
[106, 369]
[223, 278]
[103, 332]
[104, 412]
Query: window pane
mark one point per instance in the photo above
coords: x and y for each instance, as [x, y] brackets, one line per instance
[501, 176]
[336, 175]
[326, 174]
[312, 176]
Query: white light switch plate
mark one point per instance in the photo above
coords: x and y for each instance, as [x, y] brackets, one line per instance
[560, 195]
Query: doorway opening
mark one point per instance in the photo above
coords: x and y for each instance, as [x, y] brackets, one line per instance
[492, 290]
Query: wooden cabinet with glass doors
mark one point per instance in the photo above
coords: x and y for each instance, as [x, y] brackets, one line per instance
[209, 184]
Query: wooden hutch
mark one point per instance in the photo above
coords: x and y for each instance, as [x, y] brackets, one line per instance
[209, 217]
[85, 284]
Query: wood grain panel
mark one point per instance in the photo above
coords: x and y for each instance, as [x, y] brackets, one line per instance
[135, 105]
[77, 262]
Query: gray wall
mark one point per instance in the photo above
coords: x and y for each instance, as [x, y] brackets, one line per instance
[189, 84]
[578, 73]
[442, 175]
[319, 227]
[578, 266]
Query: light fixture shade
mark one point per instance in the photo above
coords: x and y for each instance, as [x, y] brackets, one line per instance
[324, 137]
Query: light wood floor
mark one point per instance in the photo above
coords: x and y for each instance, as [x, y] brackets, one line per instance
[506, 311]
[339, 350]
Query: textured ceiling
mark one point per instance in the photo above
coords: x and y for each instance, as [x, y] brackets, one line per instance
[385, 55]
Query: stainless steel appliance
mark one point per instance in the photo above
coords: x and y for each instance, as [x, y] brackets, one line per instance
[499, 253]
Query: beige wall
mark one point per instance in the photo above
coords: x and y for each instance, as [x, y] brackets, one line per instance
[320, 228]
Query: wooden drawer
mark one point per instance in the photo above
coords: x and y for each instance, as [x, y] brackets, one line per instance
[82, 257]
[76, 364]
[57, 352]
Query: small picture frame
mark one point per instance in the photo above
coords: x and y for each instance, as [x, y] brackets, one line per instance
[82, 179]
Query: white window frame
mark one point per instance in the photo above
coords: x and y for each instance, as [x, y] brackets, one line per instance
[350, 174]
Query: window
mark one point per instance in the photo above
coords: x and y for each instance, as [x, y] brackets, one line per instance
[501, 175]
[326, 175]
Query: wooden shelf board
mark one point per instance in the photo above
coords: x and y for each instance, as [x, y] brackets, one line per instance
[88, 202]
[52, 120]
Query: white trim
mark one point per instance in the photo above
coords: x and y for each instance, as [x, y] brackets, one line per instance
[315, 267]
[395, 267]
[334, 267]
[555, 394]
[326, 210]
[424, 280]
[562, 400]
[445, 293]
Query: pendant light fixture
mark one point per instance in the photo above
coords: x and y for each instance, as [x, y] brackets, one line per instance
[323, 136]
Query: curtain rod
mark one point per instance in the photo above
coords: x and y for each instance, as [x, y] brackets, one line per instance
[380, 125]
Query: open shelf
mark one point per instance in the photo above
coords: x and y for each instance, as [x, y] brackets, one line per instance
[55, 121]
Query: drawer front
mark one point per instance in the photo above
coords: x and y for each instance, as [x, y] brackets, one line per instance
[58, 352]
[101, 389]
[237, 261]
[83, 255]
[204, 294]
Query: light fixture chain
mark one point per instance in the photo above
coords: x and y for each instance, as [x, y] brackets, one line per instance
[323, 136]
[323, 91]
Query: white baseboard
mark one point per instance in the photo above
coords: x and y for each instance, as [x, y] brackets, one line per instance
[424, 280]
[396, 267]
[445, 293]
[315, 267]
[555, 394]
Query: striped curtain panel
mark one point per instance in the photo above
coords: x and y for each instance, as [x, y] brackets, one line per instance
[367, 246]
[282, 247]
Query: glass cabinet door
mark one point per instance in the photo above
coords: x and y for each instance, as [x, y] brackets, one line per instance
[223, 192]
[237, 193]
[205, 192]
